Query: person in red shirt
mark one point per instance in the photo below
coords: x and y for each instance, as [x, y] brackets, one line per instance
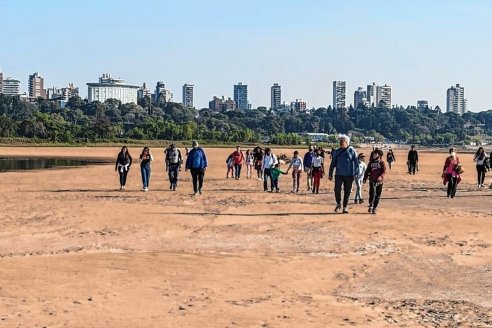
[375, 173]
[237, 161]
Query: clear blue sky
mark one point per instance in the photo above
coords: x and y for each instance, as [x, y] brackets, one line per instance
[419, 47]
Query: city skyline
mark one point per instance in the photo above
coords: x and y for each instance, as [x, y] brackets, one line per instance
[415, 60]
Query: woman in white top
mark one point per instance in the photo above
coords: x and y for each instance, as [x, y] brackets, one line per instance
[318, 170]
[250, 159]
[359, 179]
[297, 166]
[480, 158]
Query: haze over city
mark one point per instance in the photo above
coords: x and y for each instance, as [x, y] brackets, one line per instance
[420, 48]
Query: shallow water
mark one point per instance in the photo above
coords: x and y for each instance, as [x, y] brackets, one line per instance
[36, 163]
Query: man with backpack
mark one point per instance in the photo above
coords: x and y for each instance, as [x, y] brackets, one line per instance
[174, 161]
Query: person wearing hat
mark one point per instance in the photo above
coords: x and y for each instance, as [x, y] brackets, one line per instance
[346, 165]
[174, 161]
[197, 164]
[359, 179]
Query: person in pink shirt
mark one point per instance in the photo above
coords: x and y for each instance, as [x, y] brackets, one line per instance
[451, 172]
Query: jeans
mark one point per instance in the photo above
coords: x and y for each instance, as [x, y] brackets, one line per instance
[237, 170]
[316, 174]
[309, 176]
[375, 190]
[123, 176]
[481, 174]
[145, 170]
[296, 176]
[275, 184]
[267, 174]
[197, 176]
[173, 171]
[411, 167]
[346, 181]
[389, 164]
[452, 185]
[358, 191]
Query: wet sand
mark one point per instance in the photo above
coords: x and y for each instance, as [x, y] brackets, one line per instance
[77, 252]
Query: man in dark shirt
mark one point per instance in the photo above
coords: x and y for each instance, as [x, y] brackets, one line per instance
[413, 160]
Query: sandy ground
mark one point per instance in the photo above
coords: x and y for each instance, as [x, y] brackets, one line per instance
[76, 252]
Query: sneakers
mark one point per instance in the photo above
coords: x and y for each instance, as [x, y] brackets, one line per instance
[345, 210]
[369, 210]
[373, 210]
[338, 208]
[146, 189]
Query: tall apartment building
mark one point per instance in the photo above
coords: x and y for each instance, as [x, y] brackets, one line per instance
[276, 96]
[422, 104]
[11, 87]
[112, 88]
[162, 94]
[36, 86]
[383, 96]
[64, 94]
[241, 96]
[360, 98]
[371, 95]
[298, 105]
[143, 91]
[1, 81]
[456, 102]
[338, 94]
[188, 95]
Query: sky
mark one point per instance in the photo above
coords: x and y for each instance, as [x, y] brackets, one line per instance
[418, 47]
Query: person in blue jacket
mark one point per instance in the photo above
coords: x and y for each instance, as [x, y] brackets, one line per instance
[197, 164]
[346, 164]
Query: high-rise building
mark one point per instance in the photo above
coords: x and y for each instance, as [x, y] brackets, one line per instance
[298, 105]
[112, 88]
[228, 104]
[36, 86]
[338, 94]
[215, 104]
[162, 94]
[1, 81]
[276, 97]
[241, 96]
[456, 102]
[11, 87]
[371, 95]
[383, 96]
[188, 95]
[143, 91]
[360, 98]
[422, 105]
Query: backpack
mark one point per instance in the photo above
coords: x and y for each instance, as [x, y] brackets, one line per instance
[173, 156]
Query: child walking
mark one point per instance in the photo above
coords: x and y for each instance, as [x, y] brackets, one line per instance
[318, 168]
[230, 166]
[297, 167]
[359, 179]
[275, 174]
[375, 173]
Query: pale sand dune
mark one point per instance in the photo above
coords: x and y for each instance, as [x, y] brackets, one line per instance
[75, 252]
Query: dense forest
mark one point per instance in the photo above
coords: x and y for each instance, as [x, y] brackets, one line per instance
[80, 121]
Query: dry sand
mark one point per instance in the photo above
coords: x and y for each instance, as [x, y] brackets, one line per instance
[76, 252]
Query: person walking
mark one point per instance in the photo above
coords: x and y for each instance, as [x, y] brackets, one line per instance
[174, 162]
[237, 160]
[345, 163]
[318, 170]
[269, 162]
[275, 173]
[250, 160]
[197, 164]
[359, 179]
[258, 158]
[308, 166]
[122, 165]
[412, 160]
[375, 173]
[451, 173]
[480, 159]
[390, 158]
[297, 167]
[145, 159]
[230, 166]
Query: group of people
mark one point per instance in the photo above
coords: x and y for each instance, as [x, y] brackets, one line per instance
[346, 168]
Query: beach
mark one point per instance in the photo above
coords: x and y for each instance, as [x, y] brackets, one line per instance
[77, 252]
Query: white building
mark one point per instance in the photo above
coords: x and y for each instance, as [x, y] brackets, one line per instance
[64, 94]
[456, 101]
[1, 81]
[143, 92]
[111, 88]
[383, 96]
[338, 94]
[188, 95]
[11, 87]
